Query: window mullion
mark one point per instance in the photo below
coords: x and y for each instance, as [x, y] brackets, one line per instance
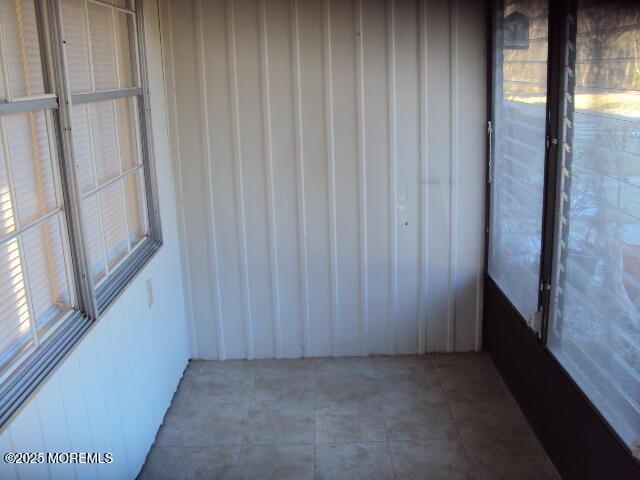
[146, 135]
[4, 62]
[115, 112]
[115, 49]
[561, 12]
[70, 184]
[16, 223]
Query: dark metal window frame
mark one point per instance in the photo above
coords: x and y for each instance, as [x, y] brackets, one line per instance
[91, 303]
[562, 31]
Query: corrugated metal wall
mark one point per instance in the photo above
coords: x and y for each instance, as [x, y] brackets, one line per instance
[112, 391]
[331, 162]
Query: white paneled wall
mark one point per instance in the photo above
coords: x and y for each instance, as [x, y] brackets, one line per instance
[110, 394]
[331, 164]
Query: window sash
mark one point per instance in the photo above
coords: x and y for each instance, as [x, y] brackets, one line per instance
[24, 374]
[560, 102]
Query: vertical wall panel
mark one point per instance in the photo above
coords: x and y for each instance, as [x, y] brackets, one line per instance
[252, 170]
[314, 160]
[222, 180]
[376, 134]
[346, 187]
[471, 95]
[181, 19]
[346, 198]
[439, 296]
[407, 174]
[283, 150]
[55, 429]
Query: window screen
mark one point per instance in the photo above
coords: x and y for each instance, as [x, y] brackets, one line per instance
[36, 292]
[595, 320]
[518, 150]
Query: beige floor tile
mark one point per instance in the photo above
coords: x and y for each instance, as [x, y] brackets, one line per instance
[353, 461]
[349, 428]
[433, 460]
[284, 462]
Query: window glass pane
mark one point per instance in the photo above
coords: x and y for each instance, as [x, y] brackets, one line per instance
[22, 45]
[117, 217]
[127, 132]
[113, 222]
[82, 148]
[7, 208]
[15, 331]
[105, 146]
[93, 236]
[520, 95]
[595, 321]
[76, 34]
[103, 52]
[136, 208]
[31, 166]
[126, 54]
[46, 270]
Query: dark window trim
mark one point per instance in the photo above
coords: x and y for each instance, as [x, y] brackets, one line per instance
[560, 30]
[577, 438]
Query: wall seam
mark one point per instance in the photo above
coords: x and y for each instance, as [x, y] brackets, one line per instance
[423, 323]
[241, 224]
[331, 181]
[204, 110]
[393, 244]
[362, 166]
[453, 192]
[182, 217]
[268, 147]
[301, 204]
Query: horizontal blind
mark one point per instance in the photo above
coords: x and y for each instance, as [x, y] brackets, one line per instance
[103, 46]
[125, 28]
[76, 35]
[22, 46]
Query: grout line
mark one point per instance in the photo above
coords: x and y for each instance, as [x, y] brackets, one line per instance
[455, 422]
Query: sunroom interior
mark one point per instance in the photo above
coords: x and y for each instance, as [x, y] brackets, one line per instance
[320, 239]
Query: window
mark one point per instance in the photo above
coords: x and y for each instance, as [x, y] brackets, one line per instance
[78, 210]
[595, 316]
[106, 93]
[565, 190]
[518, 150]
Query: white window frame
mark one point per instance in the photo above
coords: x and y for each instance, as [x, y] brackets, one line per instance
[21, 377]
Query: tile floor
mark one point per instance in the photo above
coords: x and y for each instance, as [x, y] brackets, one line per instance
[413, 417]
